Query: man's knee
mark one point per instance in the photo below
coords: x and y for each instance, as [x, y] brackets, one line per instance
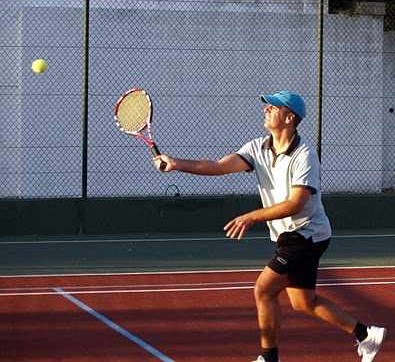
[269, 284]
[263, 291]
[304, 305]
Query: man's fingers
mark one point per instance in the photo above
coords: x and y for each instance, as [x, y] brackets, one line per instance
[228, 225]
[235, 229]
[241, 232]
[161, 163]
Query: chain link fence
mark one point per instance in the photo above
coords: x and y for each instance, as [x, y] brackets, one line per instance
[205, 63]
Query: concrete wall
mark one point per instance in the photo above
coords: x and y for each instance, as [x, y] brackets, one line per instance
[204, 63]
[40, 115]
[353, 101]
[388, 129]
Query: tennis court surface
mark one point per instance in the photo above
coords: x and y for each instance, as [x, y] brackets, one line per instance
[183, 299]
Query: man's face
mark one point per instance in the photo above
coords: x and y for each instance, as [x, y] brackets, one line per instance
[275, 117]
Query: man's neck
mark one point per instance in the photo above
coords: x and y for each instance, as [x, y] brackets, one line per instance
[282, 140]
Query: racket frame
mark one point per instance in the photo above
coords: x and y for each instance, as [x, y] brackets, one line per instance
[146, 126]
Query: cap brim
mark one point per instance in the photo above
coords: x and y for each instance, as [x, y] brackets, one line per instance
[274, 101]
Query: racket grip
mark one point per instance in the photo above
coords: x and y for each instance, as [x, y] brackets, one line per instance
[155, 152]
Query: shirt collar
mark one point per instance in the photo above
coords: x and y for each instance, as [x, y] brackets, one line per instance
[268, 143]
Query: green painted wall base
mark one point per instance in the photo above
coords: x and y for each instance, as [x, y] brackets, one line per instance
[179, 214]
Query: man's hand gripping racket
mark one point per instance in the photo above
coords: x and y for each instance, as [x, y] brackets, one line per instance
[133, 115]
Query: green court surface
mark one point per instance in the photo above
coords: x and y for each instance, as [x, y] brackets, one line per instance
[165, 252]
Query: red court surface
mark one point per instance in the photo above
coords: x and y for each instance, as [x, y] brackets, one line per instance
[191, 316]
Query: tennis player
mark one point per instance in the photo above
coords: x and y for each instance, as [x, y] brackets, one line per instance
[288, 174]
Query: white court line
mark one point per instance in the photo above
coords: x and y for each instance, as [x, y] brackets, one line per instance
[76, 287]
[190, 289]
[181, 239]
[110, 287]
[108, 322]
[209, 271]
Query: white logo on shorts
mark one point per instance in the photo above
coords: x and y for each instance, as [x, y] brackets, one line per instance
[282, 260]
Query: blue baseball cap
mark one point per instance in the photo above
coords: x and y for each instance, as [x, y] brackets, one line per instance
[288, 99]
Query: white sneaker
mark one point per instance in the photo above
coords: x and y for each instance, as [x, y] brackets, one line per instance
[261, 359]
[369, 347]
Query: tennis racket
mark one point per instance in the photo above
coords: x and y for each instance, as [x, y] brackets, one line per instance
[133, 115]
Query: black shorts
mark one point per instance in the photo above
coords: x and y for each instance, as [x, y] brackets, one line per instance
[299, 258]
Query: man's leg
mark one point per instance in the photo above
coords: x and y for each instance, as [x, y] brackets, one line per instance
[307, 301]
[370, 339]
[267, 289]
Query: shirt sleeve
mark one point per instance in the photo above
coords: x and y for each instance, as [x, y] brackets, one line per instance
[246, 152]
[306, 171]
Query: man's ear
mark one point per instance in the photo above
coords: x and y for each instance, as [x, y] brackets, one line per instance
[289, 118]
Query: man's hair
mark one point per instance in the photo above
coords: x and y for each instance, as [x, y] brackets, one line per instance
[298, 119]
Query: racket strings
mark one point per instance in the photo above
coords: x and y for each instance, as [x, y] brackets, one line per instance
[134, 111]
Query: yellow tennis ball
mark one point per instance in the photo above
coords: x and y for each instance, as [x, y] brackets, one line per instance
[39, 66]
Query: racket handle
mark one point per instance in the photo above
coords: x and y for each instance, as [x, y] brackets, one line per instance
[155, 152]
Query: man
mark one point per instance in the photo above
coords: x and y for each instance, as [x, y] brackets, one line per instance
[288, 174]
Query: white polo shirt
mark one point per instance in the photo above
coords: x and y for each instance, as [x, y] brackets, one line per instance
[277, 174]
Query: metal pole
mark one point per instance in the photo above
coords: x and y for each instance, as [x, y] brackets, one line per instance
[320, 75]
[84, 126]
[84, 123]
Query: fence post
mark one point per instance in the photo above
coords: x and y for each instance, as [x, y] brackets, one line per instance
[84, 120]
[84, 126]
[320, 74]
